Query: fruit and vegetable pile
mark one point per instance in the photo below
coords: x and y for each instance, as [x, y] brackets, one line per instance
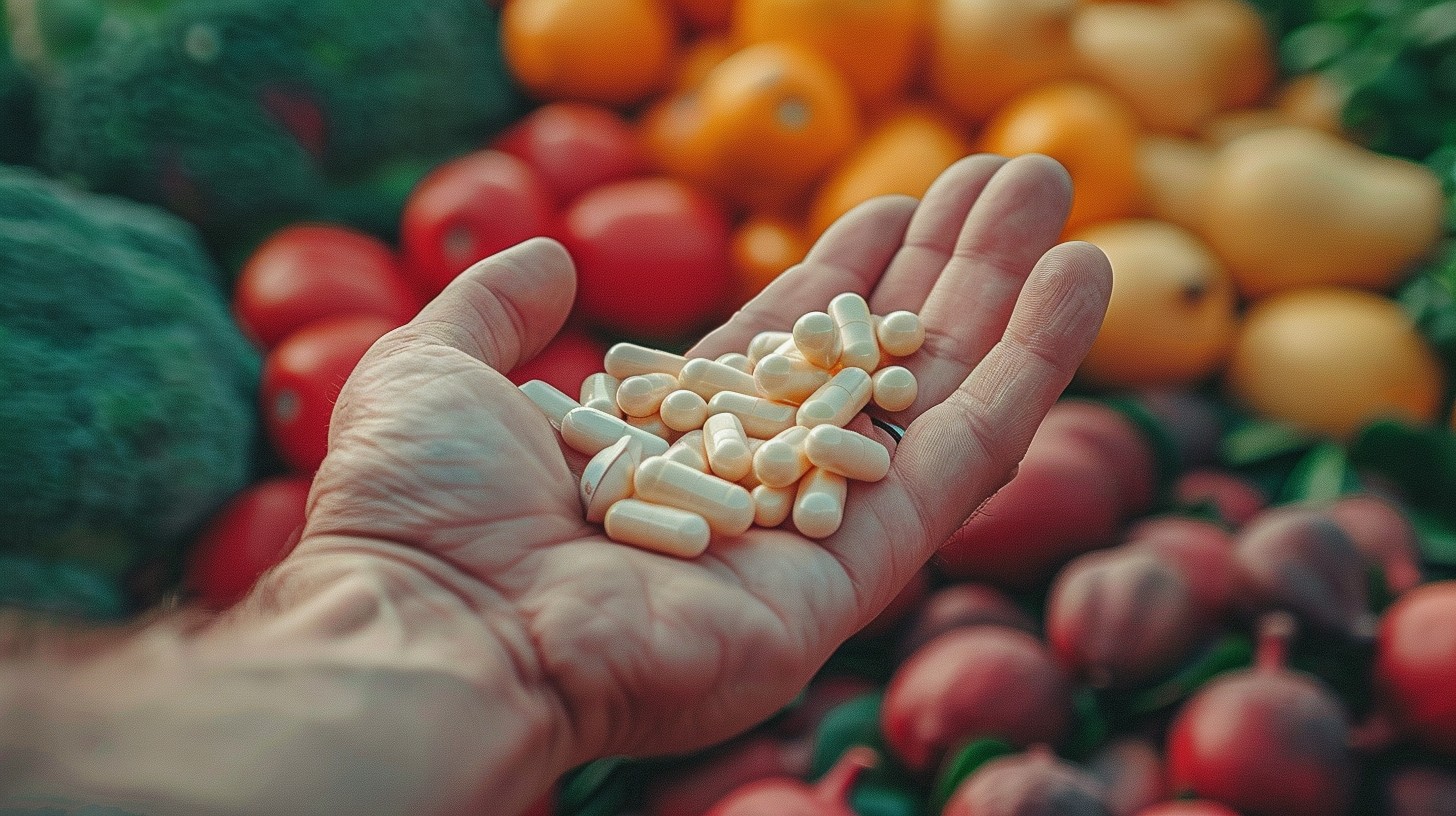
[1223, 579]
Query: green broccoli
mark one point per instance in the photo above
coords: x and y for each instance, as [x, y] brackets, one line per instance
[127, 393]
[244, 115]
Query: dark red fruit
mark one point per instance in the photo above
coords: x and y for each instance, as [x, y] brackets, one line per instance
[791, 797]
[822, 695]
[958, 605]
[1384, 535]
[1202, 551]
[1191, 422]
[1415, 664]
[1130, 770]
[574, 147]
[1034, 783]
[1267, 741]
[247, 537]
[1115, 441]
[982, 681]
[1297, 558]
[1236, 499]
[1420, 790]
[570, 357]
[692, 790]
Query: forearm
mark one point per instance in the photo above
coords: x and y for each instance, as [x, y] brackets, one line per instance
[351, 684]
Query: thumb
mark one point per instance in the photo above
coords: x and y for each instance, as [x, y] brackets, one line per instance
[505, 308]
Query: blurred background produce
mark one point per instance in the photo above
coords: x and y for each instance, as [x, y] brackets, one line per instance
[1228, 560]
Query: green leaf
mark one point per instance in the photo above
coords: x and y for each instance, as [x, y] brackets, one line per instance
[1091, 728]
[1437, 539]
[599, 788]
[965, 763]
[1255, 441]
[1420, 461]
[853, 722]
[1324, 473]
[876, 800]
[1234, 651]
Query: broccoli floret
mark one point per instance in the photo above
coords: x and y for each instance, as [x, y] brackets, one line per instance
[243, 115]
[127, 393]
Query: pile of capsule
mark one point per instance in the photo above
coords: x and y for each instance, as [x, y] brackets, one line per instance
[684, 449]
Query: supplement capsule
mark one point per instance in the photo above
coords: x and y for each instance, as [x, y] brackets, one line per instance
[607, 478]
[667, 530]
[629, 359]
[819, 504]
[689, 450]
[750, 480]
[894, 388]
[900, 333]
[816, 336]
[640, 395]
[599, 391]
[780, 461]
[837, 401]
[765, 343]
[727, 447]
[652, 424]
[707, 377]
[858, 345]
[727, 507]
[760, 418]
[787, 378]
[772, 505]
[851, 455]
[683, 410]
[588, 431]
[551, 400]
[735, 360]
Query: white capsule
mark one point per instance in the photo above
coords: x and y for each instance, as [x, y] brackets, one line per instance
[772, 505]
[652, 424]
[735, 360]
[788, 378]
[689, 450]
[780, 461]
[640, 395]
[667, 530]
[683, 410]
[588, 431]
[607, 478]
[599, 391]
[760, 418]
[900, 333]
[851, 455]
[858, 345]
[894, 388]
[727, 506]
[727, 446]
[707, 377]
[629, 359]
[837, 401]
[819, 504]
[750, 480]
[551, 400]
[816, 336]
[765, 343]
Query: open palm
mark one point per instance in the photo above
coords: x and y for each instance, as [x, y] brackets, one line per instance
[436, 458]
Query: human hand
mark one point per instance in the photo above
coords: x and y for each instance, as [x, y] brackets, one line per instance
[437, 460]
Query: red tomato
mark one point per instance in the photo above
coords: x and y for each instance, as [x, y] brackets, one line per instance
[651, 256]
[572, 356]
[307, 272]
[301, 381]
[1415, 664]
[574, 147]
[250, 534]
[468, 209]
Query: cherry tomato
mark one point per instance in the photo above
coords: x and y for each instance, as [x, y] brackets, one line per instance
[574, 147]
[468, 209]
[247, 537]
[572, 356]
[652, 257]
[301, 381]
[307, 272]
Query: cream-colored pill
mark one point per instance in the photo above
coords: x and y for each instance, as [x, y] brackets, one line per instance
[708, 377]
[894, 388]
[653, 425]
[900, 333]
[837, 401]
[608, 477]
[788, 378]
[640, 395]
[727, 506]
[761, 418]
[599, 391]
[656, 527]
[727, 446]
[629, 359]
[816, 336]
[780, 461]
[689, 450]
[735, 360]
[683, 410]
[858, 345]
[772, 505]
[588, 431]
[750, 480]
[851, 455]
[765, 343]
[552, 401]
[819, 503]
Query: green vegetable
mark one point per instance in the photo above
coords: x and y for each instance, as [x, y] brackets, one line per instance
[243, 115]
[17, 105]
[126, 391]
